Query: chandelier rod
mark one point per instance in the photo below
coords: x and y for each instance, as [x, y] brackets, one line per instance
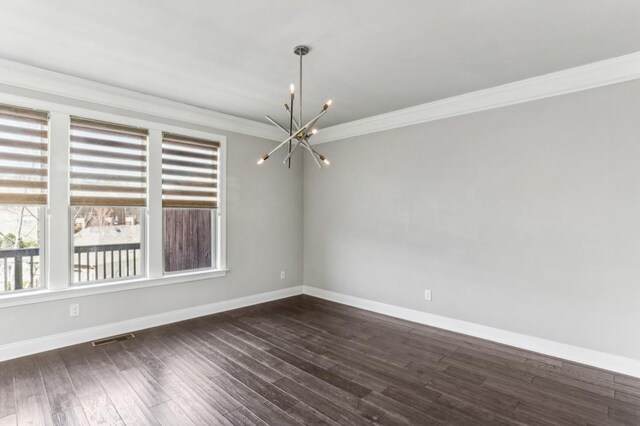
[290, 127]
[300, 100]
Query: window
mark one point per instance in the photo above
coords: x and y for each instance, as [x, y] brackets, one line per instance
[23, 194]
[83, 187]
[189, 200]
[108, 183]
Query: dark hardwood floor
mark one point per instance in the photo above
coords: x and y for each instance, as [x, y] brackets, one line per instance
[305, 360]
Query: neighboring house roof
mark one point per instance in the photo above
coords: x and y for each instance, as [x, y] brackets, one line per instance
[101, 235]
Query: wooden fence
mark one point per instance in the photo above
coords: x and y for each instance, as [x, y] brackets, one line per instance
[187, 242]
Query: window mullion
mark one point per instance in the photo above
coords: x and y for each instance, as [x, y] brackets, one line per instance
[59, 231]
[154, 205]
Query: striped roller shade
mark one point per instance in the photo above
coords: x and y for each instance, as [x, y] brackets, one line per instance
[189, 172]
[23, 156]
[108, 164]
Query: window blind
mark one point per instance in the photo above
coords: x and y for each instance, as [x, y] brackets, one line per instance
[189, 172]
[23, 156]
[108, 164]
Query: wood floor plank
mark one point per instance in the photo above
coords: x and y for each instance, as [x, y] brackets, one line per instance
[303, 360]
[63, 401]
[336, 395]
[7, 394]
[130, 407]
[482, 415]
[71, 416]
[473, 394]
[308, 416]
[321, 404]
[194, 375]
[625, 380]
[11, 420]
[34, 410]
[244, 376]
[120, 357]
[80, 373]
[146, 359]
[145, 386]
[575, 409]
[319, 372]
[99, 409]
[270, 339]
[27, 378]
[191, 401]
[169, 413]
[263, 409]
[362, 378]
[243, 417]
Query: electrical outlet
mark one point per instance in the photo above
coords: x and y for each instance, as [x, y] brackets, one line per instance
[283, 275]
[74, 310]
[427, 295]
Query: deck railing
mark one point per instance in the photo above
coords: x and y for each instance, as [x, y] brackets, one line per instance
[106, 261]
[99, 262]
[15, 258]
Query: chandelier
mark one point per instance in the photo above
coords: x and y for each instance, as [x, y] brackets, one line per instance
[298, 134]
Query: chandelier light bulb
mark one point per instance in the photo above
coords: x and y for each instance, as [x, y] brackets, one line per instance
[292, 89]
[325, 160]
[314, 131]
[262, 159]
[327, 105]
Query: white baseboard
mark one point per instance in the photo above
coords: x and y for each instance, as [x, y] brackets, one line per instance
[590, 357]
[577, 354]
[46, 343]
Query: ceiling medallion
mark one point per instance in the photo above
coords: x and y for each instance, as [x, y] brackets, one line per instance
[298, 134]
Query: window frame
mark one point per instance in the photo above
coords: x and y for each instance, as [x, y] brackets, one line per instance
[143, 253]
[43, 209]
[143, 209]
[43, 254]
[57, 283]
[219, 261]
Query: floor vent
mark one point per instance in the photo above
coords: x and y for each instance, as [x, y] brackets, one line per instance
[113, 339]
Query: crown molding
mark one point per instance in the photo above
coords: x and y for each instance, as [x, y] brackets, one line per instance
[590, 76]
[584, 77]
[78, 89]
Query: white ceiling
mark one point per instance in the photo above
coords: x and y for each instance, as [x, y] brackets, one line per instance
[370, 56]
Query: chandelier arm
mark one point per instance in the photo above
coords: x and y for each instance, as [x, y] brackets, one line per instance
[320, 156]
[275, 123]
[305, 144]
[288, 157]
[290, 131]
[315, 120]
[286, 107]
[281, 145]
[301, 130]
[306, 126]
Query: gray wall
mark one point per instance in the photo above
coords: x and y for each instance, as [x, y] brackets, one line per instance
[264, 236]
[524, 218]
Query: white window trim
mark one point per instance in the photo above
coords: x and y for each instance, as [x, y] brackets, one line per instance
[58, 284]
[28, 297]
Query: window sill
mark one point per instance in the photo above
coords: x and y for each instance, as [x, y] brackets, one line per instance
[40, 296]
